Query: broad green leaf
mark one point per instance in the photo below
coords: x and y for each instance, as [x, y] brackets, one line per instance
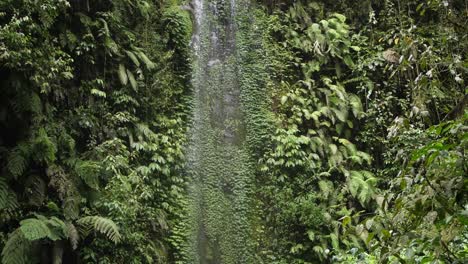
[123, 74]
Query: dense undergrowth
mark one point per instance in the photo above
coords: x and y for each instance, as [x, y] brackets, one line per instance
[355, 132]
[92, 121]
[367, 163]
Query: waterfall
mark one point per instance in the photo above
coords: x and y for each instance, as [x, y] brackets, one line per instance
[197, 6]
[217, 157]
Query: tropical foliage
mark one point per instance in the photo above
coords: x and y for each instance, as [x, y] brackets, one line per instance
[367, 163]
[349, 124]
[92, 130]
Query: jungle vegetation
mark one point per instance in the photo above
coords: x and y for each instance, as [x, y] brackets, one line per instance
[351, 132]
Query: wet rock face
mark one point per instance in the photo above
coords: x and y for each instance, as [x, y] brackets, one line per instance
[217, 156]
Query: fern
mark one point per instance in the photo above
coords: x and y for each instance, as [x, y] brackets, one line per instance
[88, 171]
[43, 227]
[44, 149]
[67, 191]
[146, 131]
[36, 105]
[58, 229]
[361, 185]
[34, 229]
[16, 163]
[71, 206]
[4, 193]
[35, 190]
[102, 225]
[73, 235]
[17, 249]
[8, 201]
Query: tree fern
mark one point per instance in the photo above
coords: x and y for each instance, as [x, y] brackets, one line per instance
[102, 225]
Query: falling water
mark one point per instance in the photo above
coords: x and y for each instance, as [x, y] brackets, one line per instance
[217, 160]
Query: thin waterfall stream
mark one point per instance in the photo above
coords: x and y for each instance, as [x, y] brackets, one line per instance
[217, 160]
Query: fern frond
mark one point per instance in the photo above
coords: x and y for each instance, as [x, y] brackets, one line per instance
[326, 187]
[102, 225]
[4, 193]
[34, 229]
[73, 235]
[58, 229]
[44, 149]
[43, 227]
[143, 129]
[361, 185]
[162, 220]
[36, 104]
[17, 249]
[71, 206]
[88, 171]
[35, 190]
[8, 201]
[16, 163]
[12, 202]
